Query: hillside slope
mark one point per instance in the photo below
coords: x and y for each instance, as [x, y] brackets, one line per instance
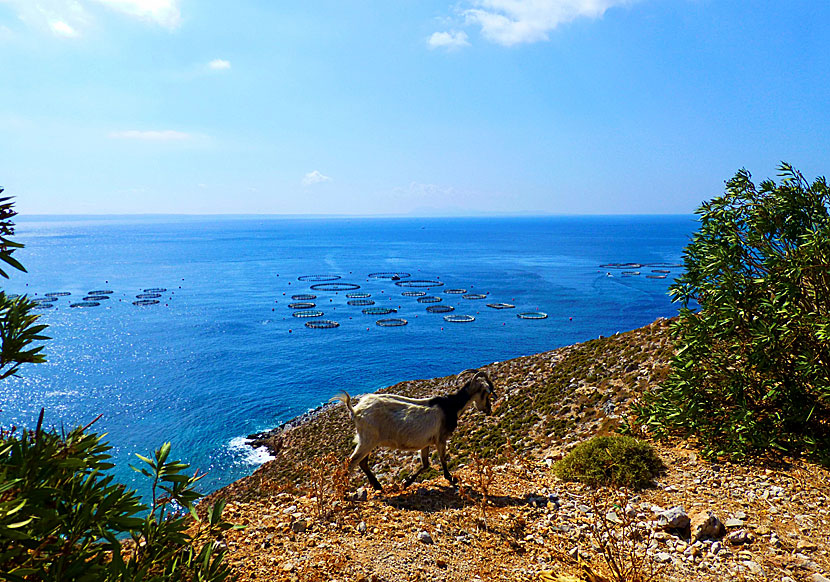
[511, 519]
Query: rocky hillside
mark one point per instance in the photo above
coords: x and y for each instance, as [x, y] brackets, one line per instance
[511, 519]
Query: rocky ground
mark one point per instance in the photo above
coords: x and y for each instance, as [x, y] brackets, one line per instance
[511, 518]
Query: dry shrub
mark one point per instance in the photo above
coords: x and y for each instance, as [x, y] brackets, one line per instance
[480, 480]
[619, 538]
[327, 482]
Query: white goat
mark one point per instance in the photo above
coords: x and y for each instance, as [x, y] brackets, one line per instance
[413, 424]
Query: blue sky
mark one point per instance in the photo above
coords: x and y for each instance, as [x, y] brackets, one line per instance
[405, 106]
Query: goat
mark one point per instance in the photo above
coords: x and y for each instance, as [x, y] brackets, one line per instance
[413, 424]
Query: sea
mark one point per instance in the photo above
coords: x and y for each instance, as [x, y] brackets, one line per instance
[222, 354]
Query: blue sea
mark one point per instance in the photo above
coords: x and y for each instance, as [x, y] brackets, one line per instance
[221, 355]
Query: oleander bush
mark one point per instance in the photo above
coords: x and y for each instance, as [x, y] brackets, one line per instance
[613, 461]
[62, 517]
[751, 373]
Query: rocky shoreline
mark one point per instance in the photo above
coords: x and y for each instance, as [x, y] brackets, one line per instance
[512, 519]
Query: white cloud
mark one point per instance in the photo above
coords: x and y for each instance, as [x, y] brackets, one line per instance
[152, 135]
[449, 40]
[162, 12]
[510, 22]
[69, 18]
[219, 64]
[314, 177]
[61, 28]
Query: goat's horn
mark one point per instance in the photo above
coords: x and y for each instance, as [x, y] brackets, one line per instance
[468, 371]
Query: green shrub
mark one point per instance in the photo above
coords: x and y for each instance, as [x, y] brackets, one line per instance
[752, 370]
[618, 461]
[63, 518]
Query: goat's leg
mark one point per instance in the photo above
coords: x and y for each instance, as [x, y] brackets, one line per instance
[373, 481]
[360, 457]
[442, 455]
[424, 465]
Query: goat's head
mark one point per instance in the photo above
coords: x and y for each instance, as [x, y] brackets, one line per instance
[481, 389]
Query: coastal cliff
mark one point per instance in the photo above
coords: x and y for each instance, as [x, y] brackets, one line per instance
[511, 518]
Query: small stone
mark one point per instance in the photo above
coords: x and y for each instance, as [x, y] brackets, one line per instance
[287, 567]
[440, 562]
[290, 509]
[740, 515]
[673, 519]
[755, 568]
[805, 546]
[424, 537]
[733, 522]
[361, 527]
[705, 524]
[716, 547]
[663, 557]
[740, 537]
[816, 577]
[299, 526]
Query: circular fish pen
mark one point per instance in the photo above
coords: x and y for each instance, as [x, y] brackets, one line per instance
[414, 293]
[318, 278]
[49, 300]
[655, 276]
[390, 276]
[429, 299]
[459, 318]
[630, 273]
[148, 296]
[96, 298]
[85, 304]
[100, 292]
[379, 310]
[621, 266]
[302, 305]
[146, 302]
[455, 291]
[43, 305]
[440, 309]
[391, 322]
[155, 290]
[501, 305]
[532, 315]
[308, 313]
[664, 265]
[419, 283]
[303, 297]
[335, 287]
[472, 296]
[322, 324]
[360, 295]
[57, 294]
[660, 271]
[360, 302]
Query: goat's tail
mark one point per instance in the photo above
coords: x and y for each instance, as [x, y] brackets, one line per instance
[344, 397]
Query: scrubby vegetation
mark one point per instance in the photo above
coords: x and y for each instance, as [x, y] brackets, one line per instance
[63, 518]
[752, 370]
[616, 461]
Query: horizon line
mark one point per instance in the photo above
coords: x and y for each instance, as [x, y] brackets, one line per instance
[336, 216]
